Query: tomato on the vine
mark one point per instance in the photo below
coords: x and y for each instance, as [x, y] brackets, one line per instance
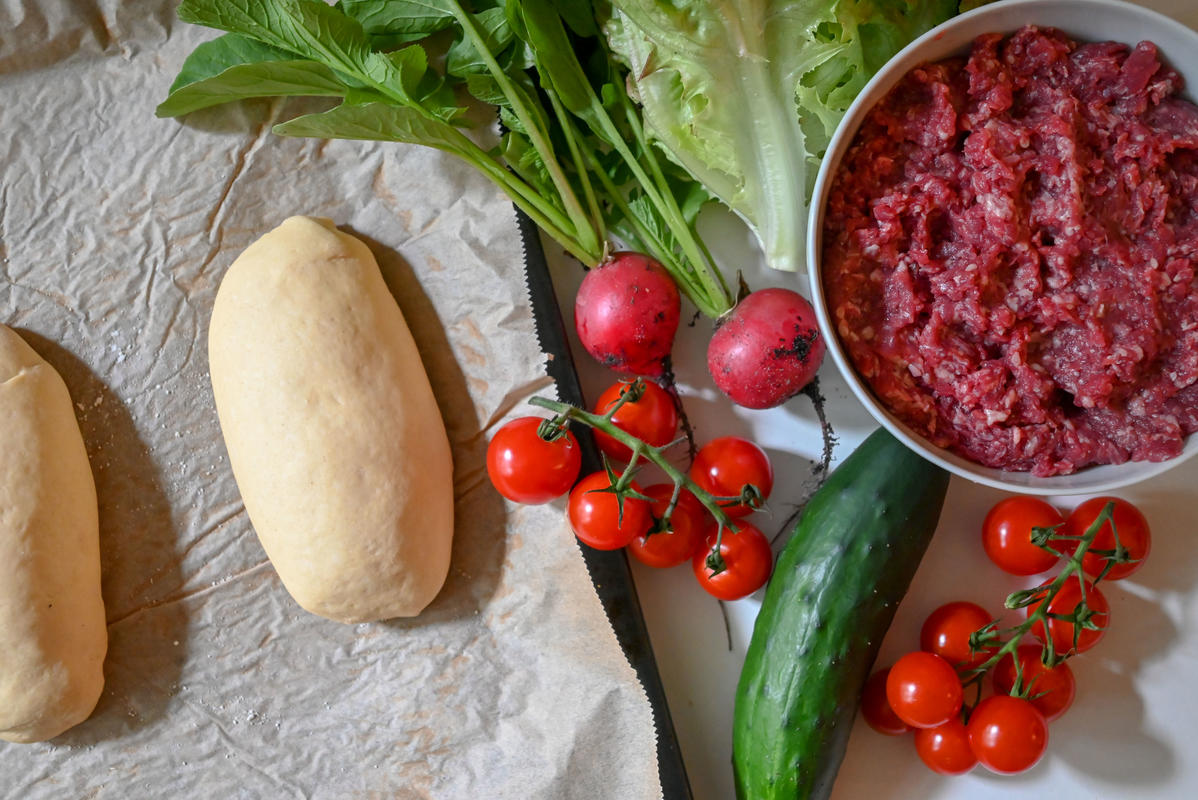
[1007, 734]
[747, 562]
[596, 516]
[724, 466]
[945, 749]
[946, 633]
[924, 690]
[688, 528]
[1066, 601]
[1049, 689]
[652, 418]
[525, 468]
[1130, 525]
[1007, 534]
[875, 708]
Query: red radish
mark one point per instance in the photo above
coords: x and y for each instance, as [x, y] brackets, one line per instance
[626, 314]
[766, 349]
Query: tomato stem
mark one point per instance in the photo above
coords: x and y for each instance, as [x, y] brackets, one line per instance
[654, 455]
[1081, 617]
[1042, 537]
[551, 430]
[662, 525]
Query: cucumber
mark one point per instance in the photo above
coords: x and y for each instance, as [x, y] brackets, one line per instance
[828, 605]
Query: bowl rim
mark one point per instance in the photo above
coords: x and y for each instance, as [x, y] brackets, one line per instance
[1105, 477]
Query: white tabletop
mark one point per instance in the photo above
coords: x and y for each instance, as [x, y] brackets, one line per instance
[1133, 729]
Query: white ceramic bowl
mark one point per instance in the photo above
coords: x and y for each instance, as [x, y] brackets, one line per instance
[1083, 20]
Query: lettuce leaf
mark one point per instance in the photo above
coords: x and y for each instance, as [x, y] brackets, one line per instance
[745, 94]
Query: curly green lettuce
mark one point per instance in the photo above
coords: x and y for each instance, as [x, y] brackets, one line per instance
[745, 94]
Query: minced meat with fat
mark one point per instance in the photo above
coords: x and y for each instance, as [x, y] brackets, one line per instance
[1009, 253]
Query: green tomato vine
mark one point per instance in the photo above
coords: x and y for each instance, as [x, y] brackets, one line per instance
[621, 483]
[1003, 642]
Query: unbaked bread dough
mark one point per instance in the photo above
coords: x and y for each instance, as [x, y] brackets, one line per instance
[333, 433]
[53, 635]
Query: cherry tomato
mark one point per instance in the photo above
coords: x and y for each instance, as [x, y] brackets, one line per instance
[527, 469]
[595, 514]
[946, 633]
[747, 562]
[1007, 734]
[1007, 534]
[875, 708]
[1066, 602]
[689, 525]
[724, 466]
[945, 748]
[1131, 526]
[924, 690]
[1049, 689]
[653, 419]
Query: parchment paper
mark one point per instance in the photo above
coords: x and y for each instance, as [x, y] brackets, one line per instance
[115, 229]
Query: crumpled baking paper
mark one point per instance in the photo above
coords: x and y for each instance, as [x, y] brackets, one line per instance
[115, 230]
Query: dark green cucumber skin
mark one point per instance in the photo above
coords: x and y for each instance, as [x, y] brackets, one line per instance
[829, 603]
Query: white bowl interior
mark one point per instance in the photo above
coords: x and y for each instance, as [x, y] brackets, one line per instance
[1083, 20]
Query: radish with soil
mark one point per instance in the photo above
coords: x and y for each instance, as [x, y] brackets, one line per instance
[767, 349]
[626, 313]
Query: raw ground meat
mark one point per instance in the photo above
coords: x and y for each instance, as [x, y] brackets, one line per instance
[1009, 253]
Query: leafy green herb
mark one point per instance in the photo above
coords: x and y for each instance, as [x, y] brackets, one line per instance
[233, 67]
[411, 18]
[745, 94]
[572, 154]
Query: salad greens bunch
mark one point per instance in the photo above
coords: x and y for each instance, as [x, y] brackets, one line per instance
[572, 153]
